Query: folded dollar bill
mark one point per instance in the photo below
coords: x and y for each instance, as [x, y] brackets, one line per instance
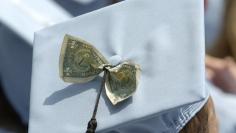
[80, 62]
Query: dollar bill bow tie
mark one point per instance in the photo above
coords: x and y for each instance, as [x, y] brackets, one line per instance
[80, 62]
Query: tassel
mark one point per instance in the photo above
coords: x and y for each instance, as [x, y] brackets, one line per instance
[92, 124]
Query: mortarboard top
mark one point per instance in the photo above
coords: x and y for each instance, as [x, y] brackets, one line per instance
[166, 38]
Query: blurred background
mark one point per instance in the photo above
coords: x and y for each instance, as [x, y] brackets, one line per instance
[20, 18]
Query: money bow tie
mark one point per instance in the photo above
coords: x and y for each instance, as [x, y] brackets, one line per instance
[80, 62]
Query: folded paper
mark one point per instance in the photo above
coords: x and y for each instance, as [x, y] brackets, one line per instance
[80, 62]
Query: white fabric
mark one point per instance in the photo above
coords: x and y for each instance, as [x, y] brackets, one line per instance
[18, 22]
[164, 37]
[27, 16]
[15, 70]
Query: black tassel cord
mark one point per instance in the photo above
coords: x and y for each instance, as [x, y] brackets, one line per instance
[92, 124]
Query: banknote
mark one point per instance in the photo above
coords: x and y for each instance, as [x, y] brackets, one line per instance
[122, 81]
[80, 62]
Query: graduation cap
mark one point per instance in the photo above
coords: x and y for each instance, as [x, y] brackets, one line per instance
[19, 19]
[28, 16]
[165, 38]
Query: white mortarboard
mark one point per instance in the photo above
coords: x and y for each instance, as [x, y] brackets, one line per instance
[18, 22]
[166, 38]
[26, 17]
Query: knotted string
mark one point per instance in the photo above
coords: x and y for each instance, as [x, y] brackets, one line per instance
[92, 124]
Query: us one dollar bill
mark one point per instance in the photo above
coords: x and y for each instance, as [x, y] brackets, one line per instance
[122, 81]
[80, 62]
